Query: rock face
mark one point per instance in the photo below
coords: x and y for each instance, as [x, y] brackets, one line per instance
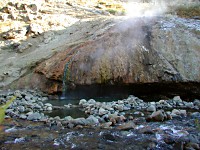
[51, 49]
[132, 51]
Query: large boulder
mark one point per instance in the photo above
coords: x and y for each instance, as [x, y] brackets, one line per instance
[134, 50]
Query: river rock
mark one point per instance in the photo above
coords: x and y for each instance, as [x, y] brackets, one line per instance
[49, 109]
[48, 105]
[102, 111]
[106, 125]
[34, 116]
[22, 116]
[127, 126]
[151, 108]
[82, 102]
[177, 99]
[91, 120]
[197, 103]
[79, 121]
[156, 116]
[21, 109]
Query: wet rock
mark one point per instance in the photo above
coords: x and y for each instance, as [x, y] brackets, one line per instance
[91, 120]
[127, 126]
[193, 138]
[49, 108]
[197, 103]
[22, 116]
[191, 146]
[82, 102]
[21, 108]
[34, 116]
[102, 111]
[79, 121]
[146, 130]
[106, 125]
[195, 115]
[177, 99]
[156, 116]
[151, 108]
[48, 105]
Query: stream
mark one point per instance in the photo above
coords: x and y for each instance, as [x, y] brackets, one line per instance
[180, 132]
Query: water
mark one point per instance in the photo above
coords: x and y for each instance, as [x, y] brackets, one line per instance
[65, 80]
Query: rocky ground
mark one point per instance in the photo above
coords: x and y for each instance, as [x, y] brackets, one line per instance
[161, 121]
[39, 39]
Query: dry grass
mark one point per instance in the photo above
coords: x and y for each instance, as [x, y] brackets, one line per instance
[188, 11]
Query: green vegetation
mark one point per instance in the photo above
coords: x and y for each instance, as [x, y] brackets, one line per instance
[4, 107]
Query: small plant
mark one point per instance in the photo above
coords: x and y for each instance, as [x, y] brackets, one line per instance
[4, 107]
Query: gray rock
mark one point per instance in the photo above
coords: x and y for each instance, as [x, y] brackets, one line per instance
[127, 126]
[91, 120]
[177, 99]
[91, 101]
[49, 109]
[21, 109]
[195, 115]
[197, 102]
[44, 98]
[158, 115]
[79, 121]
[28, 97]
[120, 107]
[48, 105]
[189, 105]
[106, 125]
[82, 102]
[151, 108]
[34, 116]
[22, 116]
[102, 111]
[68, 118]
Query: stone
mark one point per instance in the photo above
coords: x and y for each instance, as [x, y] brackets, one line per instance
[177, 99]
[82, 102]
[192, 146]
[91, 101]
[34, 116]
[28, 97]
[106, 125]
[189, 105]
[102, 111]
[158, 115]
[48, 105]
[22, 116]
[151, 108]
[127, 126]
[197, 103]
[120, 107]
[68, 118]
[91, 120]
[21, 109]
[79, 121]
[49, 109]
[195, 115]
[35, 28]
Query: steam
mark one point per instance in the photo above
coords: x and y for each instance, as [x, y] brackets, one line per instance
[145, 9]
